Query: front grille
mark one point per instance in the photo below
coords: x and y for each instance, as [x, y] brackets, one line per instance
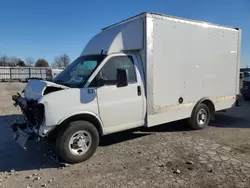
[34, 113]
[39, 114]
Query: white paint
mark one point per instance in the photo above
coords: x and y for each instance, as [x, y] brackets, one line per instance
[121, 108]
[178, 112]
[149, 62]
[190, 65]
[193, 22]
[62, 104]
[176, 55]
[128, 36]
[35, 88]
[179, 58]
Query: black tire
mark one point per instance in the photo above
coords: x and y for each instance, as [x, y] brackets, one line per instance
[63, 140]
[193, 121]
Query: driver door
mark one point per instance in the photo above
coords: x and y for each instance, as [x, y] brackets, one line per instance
[120, 108]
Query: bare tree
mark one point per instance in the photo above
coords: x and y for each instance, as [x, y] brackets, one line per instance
[61, 61]
[4, 60]
[13, 61]
[29, 61]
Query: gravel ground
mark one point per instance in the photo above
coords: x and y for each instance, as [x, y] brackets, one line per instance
[170, 155]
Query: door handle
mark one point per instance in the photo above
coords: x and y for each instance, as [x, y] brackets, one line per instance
[139, 90]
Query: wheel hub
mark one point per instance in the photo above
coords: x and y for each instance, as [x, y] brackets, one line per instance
[202, 116]
[80, 142]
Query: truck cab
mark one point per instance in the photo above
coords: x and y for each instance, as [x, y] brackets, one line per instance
[111, 88]
[95, 95]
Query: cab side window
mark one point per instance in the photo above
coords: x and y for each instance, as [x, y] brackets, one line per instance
[108, 72]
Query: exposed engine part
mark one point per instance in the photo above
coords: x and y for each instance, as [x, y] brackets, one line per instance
[51, 89]
[33, 112]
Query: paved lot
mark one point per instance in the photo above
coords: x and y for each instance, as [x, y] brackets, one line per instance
[170, 155]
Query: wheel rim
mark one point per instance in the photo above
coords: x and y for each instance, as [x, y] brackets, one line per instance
[202, 116]
[80, 142]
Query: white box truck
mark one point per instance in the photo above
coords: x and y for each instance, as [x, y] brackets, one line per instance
[144, 71]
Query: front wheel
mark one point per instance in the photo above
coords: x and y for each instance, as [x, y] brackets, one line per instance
[200, 117]
[77, 142]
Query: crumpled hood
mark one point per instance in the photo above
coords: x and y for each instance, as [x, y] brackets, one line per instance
[35, 88]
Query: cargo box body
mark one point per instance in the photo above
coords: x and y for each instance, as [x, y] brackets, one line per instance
[184, 61]
[188, 61]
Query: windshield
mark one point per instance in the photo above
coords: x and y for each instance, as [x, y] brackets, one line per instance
[77, 73]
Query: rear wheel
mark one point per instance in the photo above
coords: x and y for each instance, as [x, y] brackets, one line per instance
[77, 142]
[200, 117]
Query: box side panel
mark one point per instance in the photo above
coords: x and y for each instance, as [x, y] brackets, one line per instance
[238, 63]
[149, 63]
[143, 51]
[202, 23]
[192, 62]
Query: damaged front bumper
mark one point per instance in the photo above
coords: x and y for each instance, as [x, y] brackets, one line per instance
[33, 121]
[21, 134]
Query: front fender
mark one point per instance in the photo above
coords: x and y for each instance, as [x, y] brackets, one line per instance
[83, 113]
[63, 104]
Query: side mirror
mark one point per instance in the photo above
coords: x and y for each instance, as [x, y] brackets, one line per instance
[121, 78]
